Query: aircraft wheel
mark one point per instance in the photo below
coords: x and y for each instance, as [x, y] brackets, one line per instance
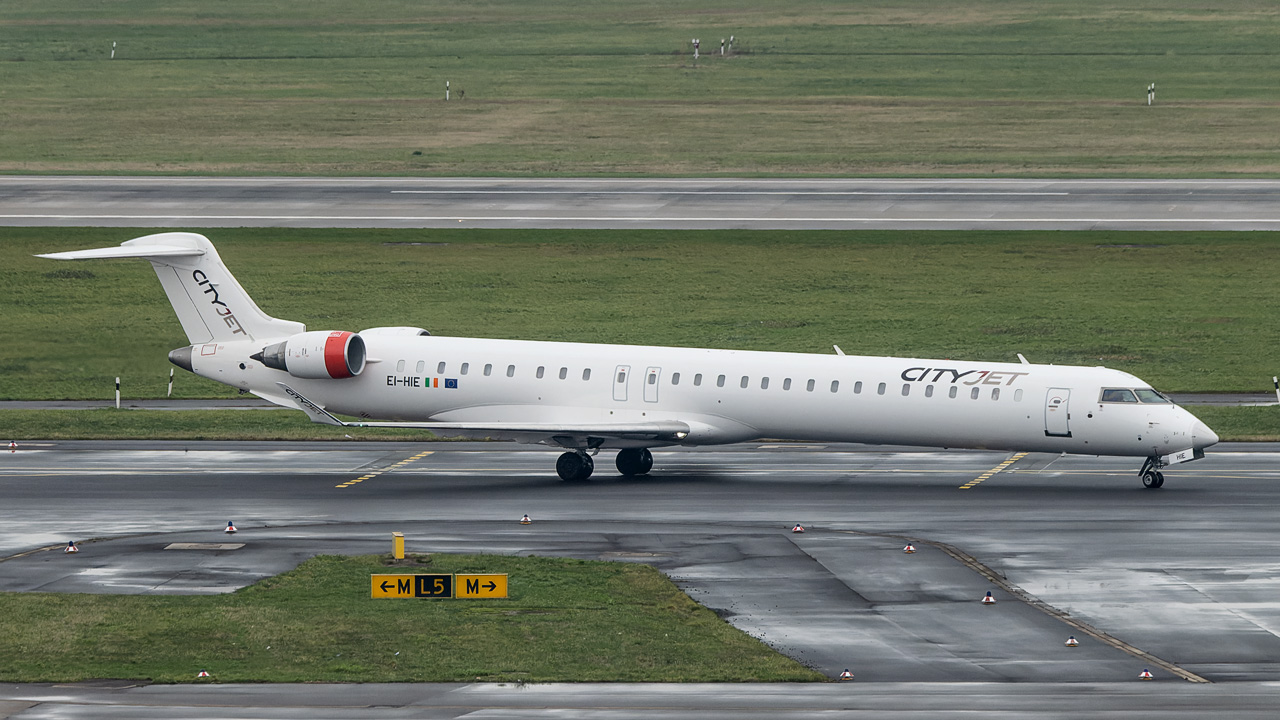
[572, 466]
[1152, 479]
[634, 461]
[1159, 479]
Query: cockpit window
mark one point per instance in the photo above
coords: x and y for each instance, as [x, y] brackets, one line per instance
[1151, 396]
[1117, 395]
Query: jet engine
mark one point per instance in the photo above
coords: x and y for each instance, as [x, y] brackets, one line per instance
[317, 355]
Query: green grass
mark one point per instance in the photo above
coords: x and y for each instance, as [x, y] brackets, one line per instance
[917, 87]
[565, 620]
[1184, 311]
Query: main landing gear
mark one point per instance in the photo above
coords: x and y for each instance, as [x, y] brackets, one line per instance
[577, 465]
[1152, 478]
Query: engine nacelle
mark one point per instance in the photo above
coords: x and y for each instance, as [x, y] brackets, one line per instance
[317, 355]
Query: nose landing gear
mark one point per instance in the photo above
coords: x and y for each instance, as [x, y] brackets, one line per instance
[1152, 478]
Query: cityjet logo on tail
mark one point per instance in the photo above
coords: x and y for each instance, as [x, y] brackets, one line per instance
[219, 307]
[972, 377]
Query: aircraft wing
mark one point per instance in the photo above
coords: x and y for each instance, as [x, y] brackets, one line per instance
[668, 430]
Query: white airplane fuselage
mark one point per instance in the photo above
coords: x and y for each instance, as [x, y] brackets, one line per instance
[730, 396]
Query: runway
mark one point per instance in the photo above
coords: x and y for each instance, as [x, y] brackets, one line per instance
[1186, 574]
[959, 204]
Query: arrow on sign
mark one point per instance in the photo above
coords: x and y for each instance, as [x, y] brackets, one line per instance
[384, 585]
[491, 586]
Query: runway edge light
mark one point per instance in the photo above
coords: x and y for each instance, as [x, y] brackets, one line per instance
[203, 673]
[988, 600]
[1146, 675]
[909, 549]
[1072, 641]
[525, 520]
[846, 675]
[798, 528]
[71, 547]
[231, 528]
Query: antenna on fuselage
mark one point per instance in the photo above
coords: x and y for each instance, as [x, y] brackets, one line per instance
[838, 350]
[1024, 360]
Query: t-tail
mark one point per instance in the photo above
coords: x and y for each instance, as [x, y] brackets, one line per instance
[210, 304]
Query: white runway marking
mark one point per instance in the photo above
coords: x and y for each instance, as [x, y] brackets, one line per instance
[482, 191]
[636, 218]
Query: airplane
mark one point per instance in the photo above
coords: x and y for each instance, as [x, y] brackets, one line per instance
[584, 398]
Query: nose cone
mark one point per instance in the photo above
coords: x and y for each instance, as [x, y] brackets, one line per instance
[181, 357]
[1201, 436]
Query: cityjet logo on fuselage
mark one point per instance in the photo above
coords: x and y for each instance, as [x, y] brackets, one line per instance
[219, 307]
[971, 377]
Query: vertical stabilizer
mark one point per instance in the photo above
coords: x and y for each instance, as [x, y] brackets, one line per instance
[210, 304]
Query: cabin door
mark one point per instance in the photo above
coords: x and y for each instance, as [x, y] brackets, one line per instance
[1057, 420]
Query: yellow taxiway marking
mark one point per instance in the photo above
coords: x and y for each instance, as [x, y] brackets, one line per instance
[999, 468]
[395, 466]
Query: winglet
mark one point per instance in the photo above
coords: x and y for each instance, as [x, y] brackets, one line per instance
[313, 411]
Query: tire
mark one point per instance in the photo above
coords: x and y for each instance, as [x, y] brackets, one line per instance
[1152, 479]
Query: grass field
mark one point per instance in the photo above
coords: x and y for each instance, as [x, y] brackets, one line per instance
[1185, 311]
[917, 87]
[565, 620]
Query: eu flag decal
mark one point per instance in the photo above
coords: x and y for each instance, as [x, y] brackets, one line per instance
[451, 383]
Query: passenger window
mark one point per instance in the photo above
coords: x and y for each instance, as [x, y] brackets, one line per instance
[973, 394]
[542, 370]
[421, 367]
[564, 373]
[675, 378]
[906, 389]
[857, 388]
[440, 368]
[465, 368]
[400, 366]
[1017, 395]
[488, 369]
[881, 388]
[1118, 396]
[928, 391]
[720, 381]
[653, 378]
[745, 381]
[995, 393]
[697, 380]
[511, 371]
[809, 386]
[786, 383]
[586, 374]
[952, 394]
[764, 383]
[622, 376]
[835, 386]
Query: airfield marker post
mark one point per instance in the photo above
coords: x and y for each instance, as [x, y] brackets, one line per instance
[695, 49]
[721, 47]
[170, 392]
[446, 91]
[117, 393]
[1276, 381]
[113, 49]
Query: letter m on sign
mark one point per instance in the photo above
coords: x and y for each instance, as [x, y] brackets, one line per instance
[473, 587]
[405, 586]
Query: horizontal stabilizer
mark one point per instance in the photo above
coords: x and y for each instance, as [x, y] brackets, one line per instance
[126, 251]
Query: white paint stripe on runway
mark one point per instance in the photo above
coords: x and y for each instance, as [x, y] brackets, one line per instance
[635, 218]
[485, 191]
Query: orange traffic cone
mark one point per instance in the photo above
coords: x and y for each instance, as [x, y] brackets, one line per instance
[71, 547]
[1146, 675]
[798, 528]
[909, 549]
[231, 528]
[846, 675]
[525, 520]
[202, 673]
[988, 600]
[1072, 641]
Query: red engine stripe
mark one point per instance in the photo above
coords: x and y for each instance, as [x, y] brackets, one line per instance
[335, 354]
